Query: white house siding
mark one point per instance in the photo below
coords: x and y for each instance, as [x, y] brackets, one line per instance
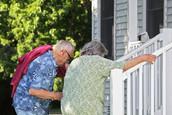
[168, 13]
[121, 25]
[140, 16]
[96, 20]
[106, 110]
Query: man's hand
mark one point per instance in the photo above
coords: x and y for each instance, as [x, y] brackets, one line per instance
[45, 94]
[58, 96]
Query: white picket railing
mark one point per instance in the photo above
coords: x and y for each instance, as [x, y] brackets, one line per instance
[141, 90]
[134, 45]
[148, 47]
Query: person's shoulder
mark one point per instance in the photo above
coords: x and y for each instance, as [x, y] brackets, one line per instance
[97, 57]
[47, 57]
[93, 58]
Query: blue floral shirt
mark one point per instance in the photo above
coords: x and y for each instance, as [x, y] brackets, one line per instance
[40, 75]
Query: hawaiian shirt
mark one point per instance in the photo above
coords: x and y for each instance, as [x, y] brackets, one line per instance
[40, 75]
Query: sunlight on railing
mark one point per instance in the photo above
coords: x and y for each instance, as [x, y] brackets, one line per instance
[133, 92]
[141, 90]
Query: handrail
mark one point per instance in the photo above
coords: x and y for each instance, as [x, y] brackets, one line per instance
[148, 43]
[134, 45]
[157, 53]
[117, 86]
[143, 88]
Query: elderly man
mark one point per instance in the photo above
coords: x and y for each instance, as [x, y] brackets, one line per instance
[33, 93]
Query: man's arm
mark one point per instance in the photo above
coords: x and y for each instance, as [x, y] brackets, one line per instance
[45, 94]
[133, 62]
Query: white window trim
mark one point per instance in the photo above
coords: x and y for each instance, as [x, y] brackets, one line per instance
[132, 19]
[165, 13]
[144, 15]
[114, 31]
[96, 13]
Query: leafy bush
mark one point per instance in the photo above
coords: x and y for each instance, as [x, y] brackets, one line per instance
[27, 24]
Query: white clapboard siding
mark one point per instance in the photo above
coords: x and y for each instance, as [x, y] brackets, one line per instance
[96, 20]
[106, 110]
[121, 25]
[168, 13]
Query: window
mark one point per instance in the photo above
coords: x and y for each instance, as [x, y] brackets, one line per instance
[154, 17]
[107, 17]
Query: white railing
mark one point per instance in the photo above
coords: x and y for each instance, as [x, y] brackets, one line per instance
[148, 47]
[134, 96]
[141, 90]
[134, 45]
[142, 38]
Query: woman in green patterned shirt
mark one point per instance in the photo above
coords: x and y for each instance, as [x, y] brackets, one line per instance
[84, 83]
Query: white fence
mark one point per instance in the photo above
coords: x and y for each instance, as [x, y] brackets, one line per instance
[142, 90]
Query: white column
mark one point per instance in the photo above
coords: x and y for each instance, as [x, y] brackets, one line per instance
[132, 32]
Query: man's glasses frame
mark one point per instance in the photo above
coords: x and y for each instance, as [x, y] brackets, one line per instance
[70, 58]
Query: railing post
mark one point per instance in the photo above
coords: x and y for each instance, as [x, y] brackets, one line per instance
[167, 35]
[164, 84]
[167, 73]
[116, 92]
[140, 90]
[152, 91]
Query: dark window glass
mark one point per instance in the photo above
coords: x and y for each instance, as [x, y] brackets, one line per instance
[154, 17]
[107, 13]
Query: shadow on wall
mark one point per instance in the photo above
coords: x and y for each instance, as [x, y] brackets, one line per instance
[5, 98]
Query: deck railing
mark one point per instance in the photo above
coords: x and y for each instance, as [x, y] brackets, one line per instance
[141, 90]
[148, 47]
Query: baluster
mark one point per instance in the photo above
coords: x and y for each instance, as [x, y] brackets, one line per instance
[140, 91]
[152, 90]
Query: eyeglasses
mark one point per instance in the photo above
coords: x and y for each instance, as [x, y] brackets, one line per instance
[69, 55]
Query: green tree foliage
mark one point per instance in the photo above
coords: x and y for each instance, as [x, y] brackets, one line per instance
[27, 24]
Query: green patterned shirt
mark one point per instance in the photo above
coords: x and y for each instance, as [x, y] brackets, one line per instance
[84, 85]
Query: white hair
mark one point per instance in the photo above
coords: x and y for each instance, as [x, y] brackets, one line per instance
[94, 48]
[64, 45]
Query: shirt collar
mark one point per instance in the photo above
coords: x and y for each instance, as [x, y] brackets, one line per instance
[53, 59]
